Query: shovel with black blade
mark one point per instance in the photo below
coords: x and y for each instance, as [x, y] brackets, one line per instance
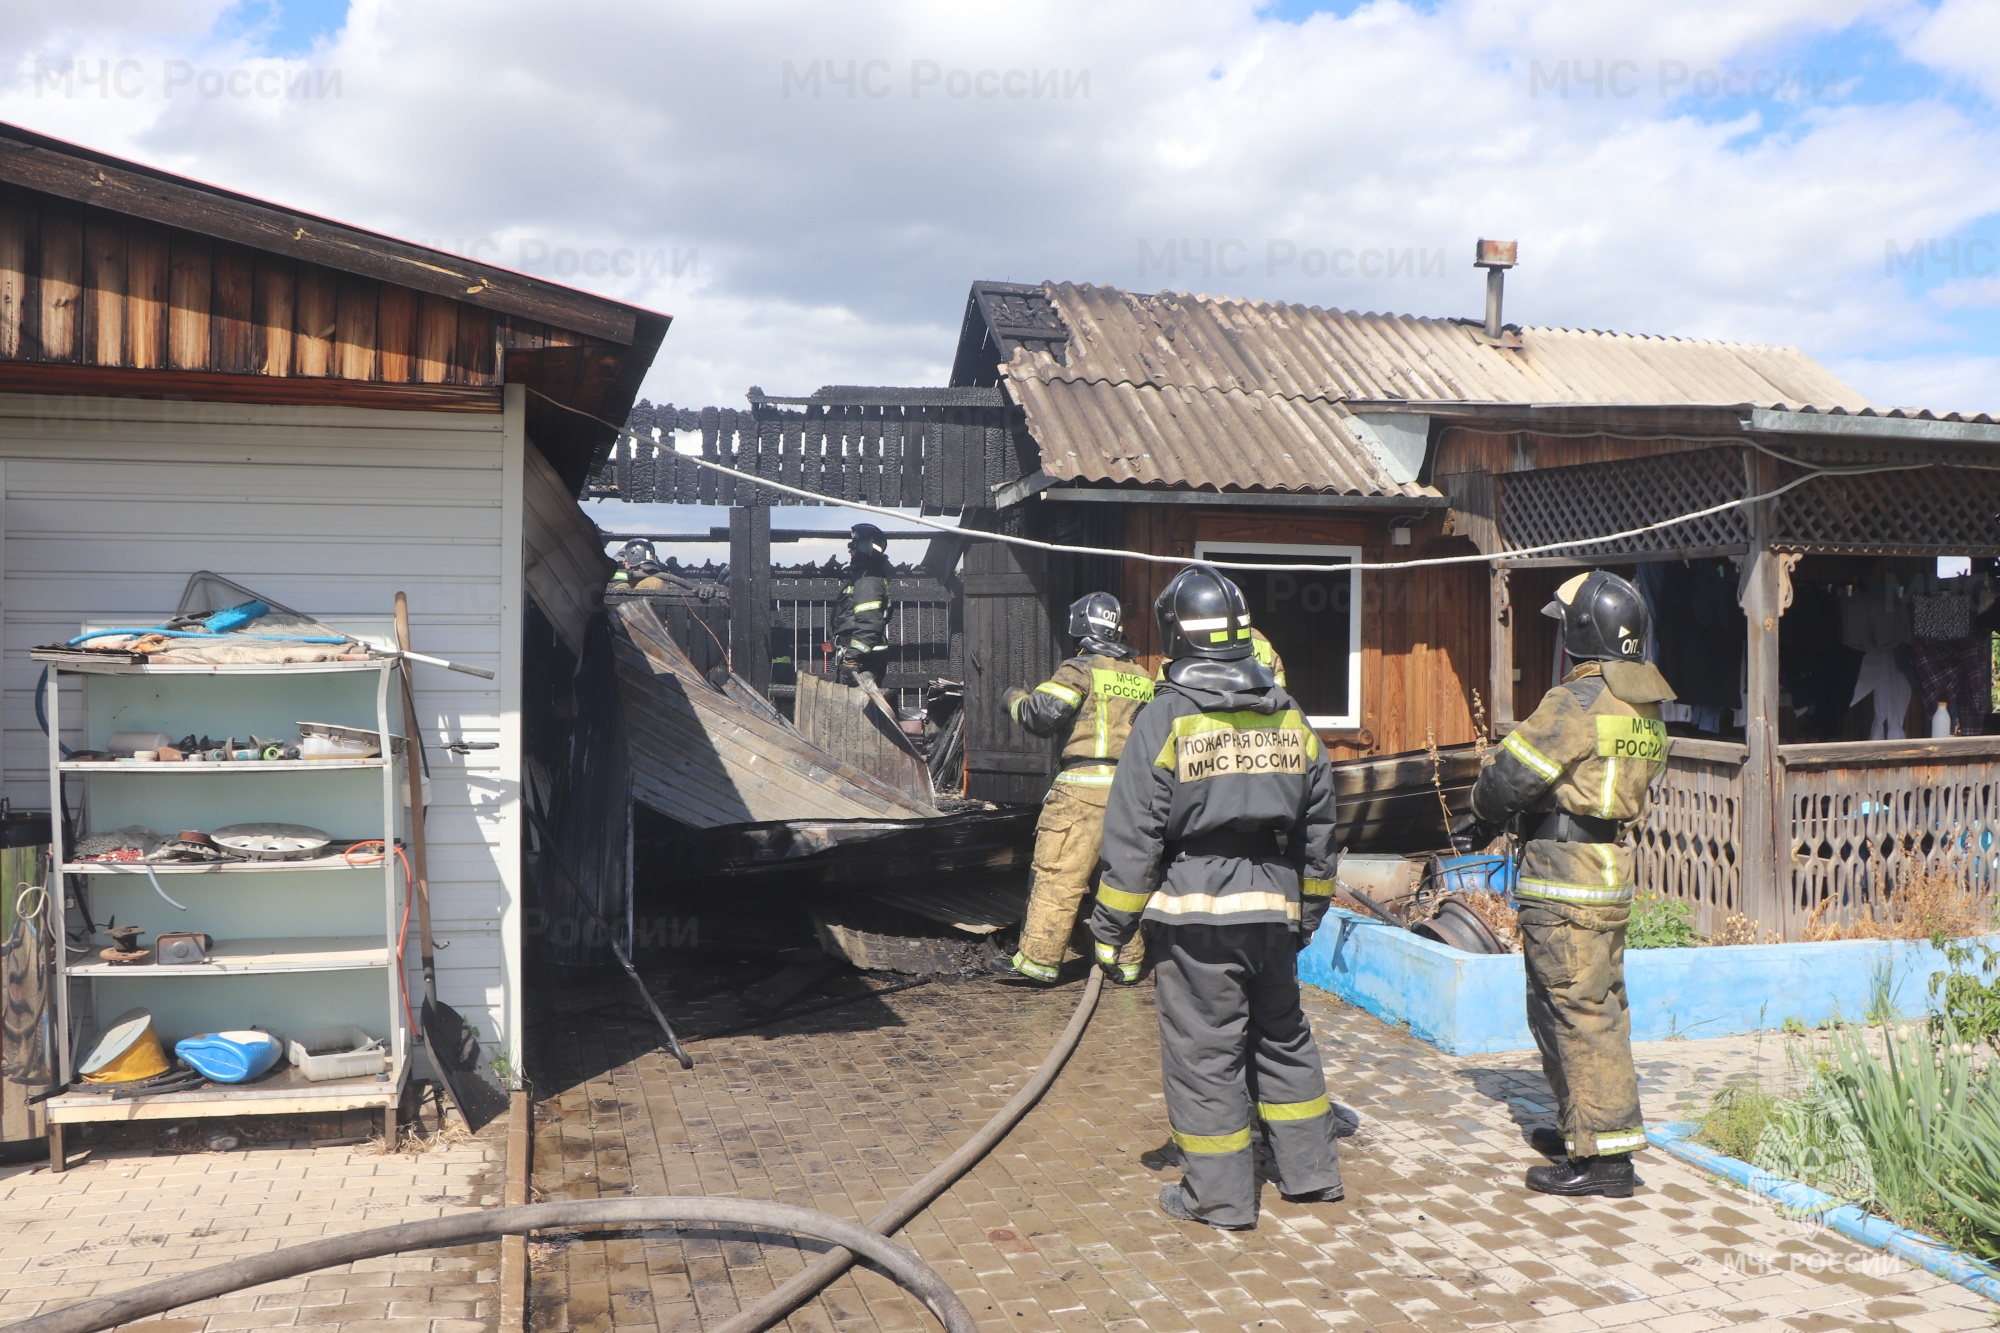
[451, 1042]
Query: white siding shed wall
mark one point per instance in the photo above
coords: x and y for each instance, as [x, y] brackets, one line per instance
[111, 503]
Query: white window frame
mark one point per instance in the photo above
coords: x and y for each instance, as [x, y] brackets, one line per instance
[1221, 550]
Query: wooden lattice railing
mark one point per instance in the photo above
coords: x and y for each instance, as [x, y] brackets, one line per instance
[1690, 843]
[1860, 814]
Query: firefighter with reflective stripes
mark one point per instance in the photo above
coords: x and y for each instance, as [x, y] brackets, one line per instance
[639, 567]
[1095, 695]
[861, 617]
[1220, 837]
[1577, 771]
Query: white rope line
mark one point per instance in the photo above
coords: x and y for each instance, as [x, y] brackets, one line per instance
[1153, 559]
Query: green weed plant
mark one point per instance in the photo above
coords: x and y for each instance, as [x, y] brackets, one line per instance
[1661, 923]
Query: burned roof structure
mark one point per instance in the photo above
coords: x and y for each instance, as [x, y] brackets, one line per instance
[1194, 392]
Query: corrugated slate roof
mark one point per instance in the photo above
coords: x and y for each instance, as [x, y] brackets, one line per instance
[1207, 392]
[1101, 431]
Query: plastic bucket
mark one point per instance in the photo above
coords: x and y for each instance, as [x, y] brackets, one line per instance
[1477, 874]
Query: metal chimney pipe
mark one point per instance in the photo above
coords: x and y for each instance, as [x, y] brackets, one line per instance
[1496, 257]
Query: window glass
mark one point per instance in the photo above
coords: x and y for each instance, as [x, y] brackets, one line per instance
[1311, 619]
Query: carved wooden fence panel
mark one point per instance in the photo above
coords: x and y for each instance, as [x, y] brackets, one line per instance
[1858, 825]
[1689, 845]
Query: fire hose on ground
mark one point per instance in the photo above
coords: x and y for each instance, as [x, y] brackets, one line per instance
[104, 1312]
[852, 1241]
[761, 1314]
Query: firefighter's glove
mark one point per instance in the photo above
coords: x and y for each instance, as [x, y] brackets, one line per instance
[1120, 974]
[1013, 699]
[1473, 834]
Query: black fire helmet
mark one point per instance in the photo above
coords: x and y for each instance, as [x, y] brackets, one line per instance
[866, 537]
[1097, 615]
[1604, 618]
[1202, 614]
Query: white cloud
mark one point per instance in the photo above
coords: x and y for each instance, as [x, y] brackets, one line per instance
[1962, 36]
[834, 235]
[1949, 382]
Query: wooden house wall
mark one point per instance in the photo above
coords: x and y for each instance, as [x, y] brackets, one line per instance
[1487, 448]
[90, 287]
[1423, 632]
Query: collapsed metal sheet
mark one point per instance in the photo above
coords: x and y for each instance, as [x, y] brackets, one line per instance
[707, 760]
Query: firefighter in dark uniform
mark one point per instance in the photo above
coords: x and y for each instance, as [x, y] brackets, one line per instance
[1220, 838]
[861, 618]
[1094, 696]
[1577, 771]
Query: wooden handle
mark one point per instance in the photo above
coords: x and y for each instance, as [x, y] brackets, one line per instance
[413, 760]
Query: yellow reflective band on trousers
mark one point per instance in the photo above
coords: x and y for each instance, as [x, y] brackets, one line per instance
[1221, 904]
[1214, 1143]
[1293, 1110]
[1316, 888]
[1616, 1140]
[1028, 967]
[1120, 901]
[1570, 893]
[1530, 756]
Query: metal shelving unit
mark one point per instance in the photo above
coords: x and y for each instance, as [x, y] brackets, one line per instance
[316, 943]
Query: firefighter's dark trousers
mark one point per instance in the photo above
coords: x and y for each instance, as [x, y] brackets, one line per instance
[1229, 1005]
[1575, 956]
[864, 650]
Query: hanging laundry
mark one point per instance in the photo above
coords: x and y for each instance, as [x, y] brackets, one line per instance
[1959, 674]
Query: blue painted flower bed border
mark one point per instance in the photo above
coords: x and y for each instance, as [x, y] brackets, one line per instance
[1931, 1255]
[1472, 1004]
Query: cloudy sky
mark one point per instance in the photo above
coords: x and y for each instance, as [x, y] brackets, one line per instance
[808, 188]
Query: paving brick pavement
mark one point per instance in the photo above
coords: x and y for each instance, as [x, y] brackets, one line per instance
[127, 1216]
[1056, 1229]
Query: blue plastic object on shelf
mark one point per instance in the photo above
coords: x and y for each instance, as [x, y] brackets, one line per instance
[230, 1057]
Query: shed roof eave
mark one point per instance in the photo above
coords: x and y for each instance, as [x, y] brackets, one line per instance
[1928, 430]
[71, 171]
[1287, 499]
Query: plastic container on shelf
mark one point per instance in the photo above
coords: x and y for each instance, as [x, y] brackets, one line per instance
[335, 747]
[335, 1052]
[230, 1057]
[124, 744]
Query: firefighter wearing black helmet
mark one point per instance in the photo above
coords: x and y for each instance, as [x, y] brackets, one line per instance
[639, 566]
[861, 618]
[1220, 839]
[1577, 772]
[1093, 697]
